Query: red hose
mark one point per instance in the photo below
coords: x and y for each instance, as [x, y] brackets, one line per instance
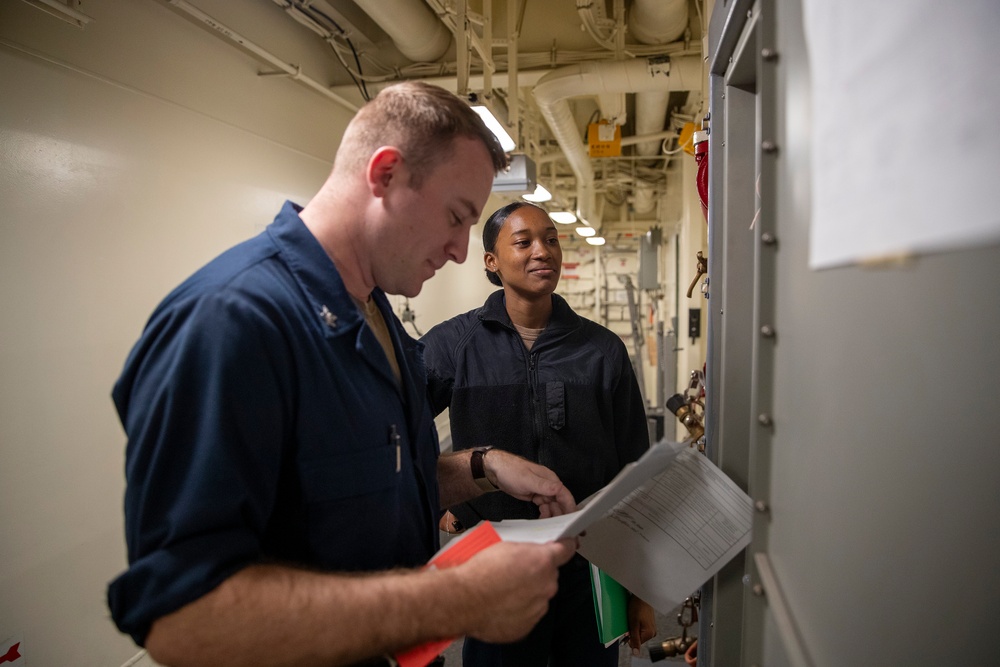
[701, 157]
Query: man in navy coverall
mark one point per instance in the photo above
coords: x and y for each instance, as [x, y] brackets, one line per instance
[283, 475]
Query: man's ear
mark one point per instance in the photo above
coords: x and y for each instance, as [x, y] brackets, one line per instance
[384, 167]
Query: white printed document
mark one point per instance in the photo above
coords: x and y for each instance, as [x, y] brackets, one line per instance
[662, 528]
[674, 533]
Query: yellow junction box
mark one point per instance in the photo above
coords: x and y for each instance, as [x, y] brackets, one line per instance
[604, 139]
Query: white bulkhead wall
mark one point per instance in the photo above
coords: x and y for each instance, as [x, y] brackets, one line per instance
[133, 151]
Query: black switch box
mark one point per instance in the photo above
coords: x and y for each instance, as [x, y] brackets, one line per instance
[694, 322]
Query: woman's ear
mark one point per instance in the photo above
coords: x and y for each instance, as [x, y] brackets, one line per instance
[490, 262]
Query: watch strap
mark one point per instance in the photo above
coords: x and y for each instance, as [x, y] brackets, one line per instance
[479, 469]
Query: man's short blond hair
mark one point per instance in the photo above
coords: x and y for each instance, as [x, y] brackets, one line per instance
[419, 119]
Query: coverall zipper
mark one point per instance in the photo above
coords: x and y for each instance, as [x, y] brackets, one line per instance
[536, 411]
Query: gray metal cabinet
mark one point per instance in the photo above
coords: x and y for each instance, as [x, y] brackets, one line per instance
[860, 407]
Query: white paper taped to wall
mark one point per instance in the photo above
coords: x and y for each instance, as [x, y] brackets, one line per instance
[904, 156]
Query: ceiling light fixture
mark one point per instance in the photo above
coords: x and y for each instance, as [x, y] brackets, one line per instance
[563, 217]
[496, 127]
[596, 240]
[586, 231]
[539, 195]
[519, 177]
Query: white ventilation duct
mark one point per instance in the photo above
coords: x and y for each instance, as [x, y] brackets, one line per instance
[653, 22]
[595, 78]
[413, 27]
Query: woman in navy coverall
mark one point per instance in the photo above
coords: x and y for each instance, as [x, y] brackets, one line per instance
[527, 374]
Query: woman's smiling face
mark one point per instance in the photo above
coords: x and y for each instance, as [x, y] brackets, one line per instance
[527, 257]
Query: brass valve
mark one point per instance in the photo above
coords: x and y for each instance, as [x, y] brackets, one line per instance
[678, 645]
[686, 415]
[672, 647]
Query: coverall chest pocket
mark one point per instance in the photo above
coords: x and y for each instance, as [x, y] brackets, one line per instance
[351, 474]
[555, 404]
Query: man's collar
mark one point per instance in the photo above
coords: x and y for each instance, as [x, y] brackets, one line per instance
[314, 271]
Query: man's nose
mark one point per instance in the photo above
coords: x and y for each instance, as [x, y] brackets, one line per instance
[458, 247]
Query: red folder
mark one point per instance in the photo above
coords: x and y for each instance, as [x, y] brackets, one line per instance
[455, 552]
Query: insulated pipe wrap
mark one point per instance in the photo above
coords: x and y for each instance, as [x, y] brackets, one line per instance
[657, 21]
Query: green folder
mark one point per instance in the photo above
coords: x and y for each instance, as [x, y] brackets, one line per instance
[610, 606]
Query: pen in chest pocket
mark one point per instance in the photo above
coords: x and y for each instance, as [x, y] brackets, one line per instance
[394, 439]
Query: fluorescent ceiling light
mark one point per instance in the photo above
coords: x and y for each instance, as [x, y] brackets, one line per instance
[563, 217]
[586, 231]
[495, 127]
[596, 240]
[539, 195]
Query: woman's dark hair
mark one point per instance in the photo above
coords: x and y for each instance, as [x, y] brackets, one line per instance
[491, 230]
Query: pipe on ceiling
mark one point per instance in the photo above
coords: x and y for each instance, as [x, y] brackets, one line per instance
[595, 78]
[413, 27]
[653, 22]
[650, 113]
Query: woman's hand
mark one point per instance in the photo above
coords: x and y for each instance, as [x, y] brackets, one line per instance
[641, 623]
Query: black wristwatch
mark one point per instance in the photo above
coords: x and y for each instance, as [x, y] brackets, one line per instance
[479, 470]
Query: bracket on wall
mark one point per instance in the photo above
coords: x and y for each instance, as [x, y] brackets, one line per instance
[65, 11]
